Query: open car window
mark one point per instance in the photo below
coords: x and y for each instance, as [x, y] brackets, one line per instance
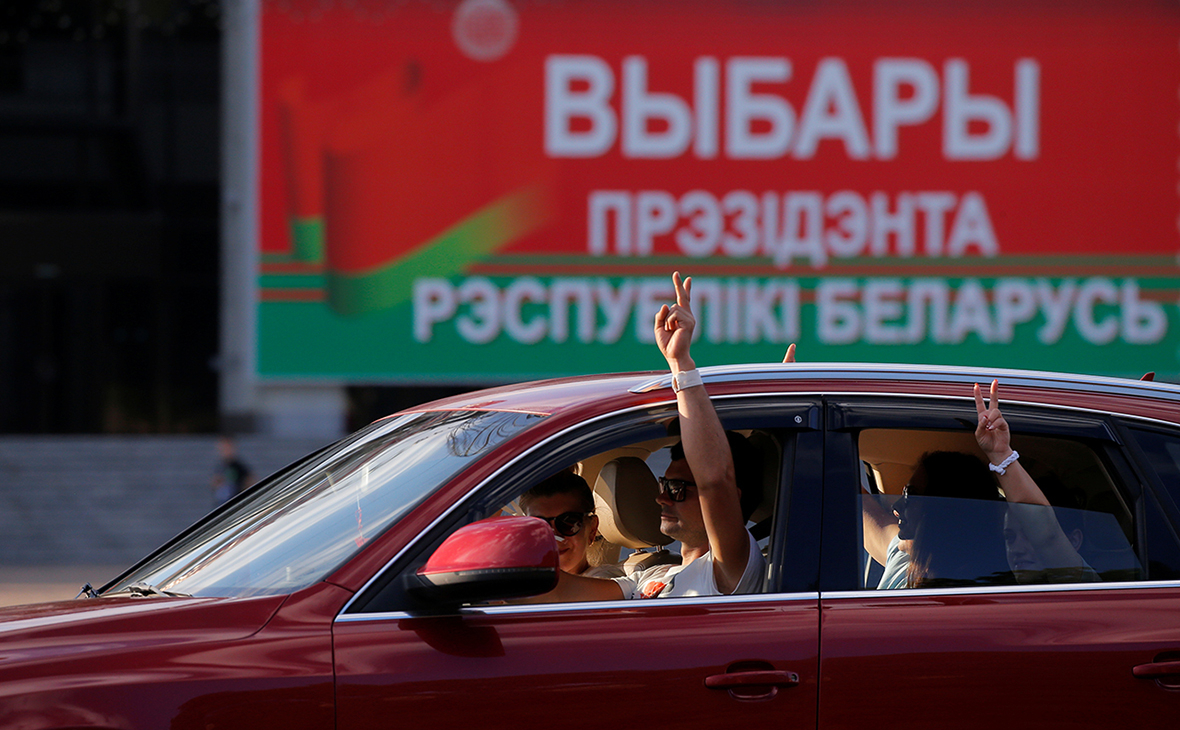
[620, 462]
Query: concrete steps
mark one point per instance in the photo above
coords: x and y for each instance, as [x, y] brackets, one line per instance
[110, 500]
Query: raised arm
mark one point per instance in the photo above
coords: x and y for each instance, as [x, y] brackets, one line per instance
[994, 439]
[879, 527]
[705, 446]
[1038, 523]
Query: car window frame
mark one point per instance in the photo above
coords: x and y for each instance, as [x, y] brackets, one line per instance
[1141, 466]
[581, 439]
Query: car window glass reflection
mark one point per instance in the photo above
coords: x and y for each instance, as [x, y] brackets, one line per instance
[294, 528]
[938, 518]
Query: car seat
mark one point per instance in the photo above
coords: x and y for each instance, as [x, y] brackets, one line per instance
[628, 514]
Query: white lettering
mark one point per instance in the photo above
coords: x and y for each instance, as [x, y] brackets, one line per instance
[563, 105]
[740, 239]
[655, 215]
[1015, 303]
[905, 93]
[602, 204]
[482, 325]
[700, 237]
[838, 320]
[899, 223]
[1143, 322]
[1091, 293]
[846, 239]
[434, 301]
[744, 108]
[960, 109]
[707, 104]
[640, 108]
[883, 306]
[972, 227]
[565, 292]
[526, 289]
[832, 112]
[733, 112]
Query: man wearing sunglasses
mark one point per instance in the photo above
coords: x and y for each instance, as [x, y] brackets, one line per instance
[700, 503]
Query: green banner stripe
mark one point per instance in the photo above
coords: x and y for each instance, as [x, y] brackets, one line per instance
[447, 255]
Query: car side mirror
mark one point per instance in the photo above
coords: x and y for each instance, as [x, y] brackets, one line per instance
[491, 560]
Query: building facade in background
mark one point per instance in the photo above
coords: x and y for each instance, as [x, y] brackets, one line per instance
[109, 215]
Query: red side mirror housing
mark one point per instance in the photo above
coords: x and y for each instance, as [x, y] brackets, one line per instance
[493, 559]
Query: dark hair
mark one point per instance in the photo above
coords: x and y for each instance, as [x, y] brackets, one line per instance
[955, 474]
[961, 541]
[747, 467]
[563, 482]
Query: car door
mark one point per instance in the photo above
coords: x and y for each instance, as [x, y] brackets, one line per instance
[1092, 654]
[700, 662]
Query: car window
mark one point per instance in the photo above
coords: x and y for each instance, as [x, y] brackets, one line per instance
[613, 457]
[1086, 535]
[294, 528]
[1161, 450]
[623, 485]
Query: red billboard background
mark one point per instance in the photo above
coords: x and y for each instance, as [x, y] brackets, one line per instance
[387, 126]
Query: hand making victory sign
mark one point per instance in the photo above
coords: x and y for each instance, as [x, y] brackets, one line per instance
[994, 439]
[674, 327]
[992, 431]
[709, 466]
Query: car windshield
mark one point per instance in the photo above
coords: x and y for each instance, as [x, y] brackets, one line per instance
[299, 525]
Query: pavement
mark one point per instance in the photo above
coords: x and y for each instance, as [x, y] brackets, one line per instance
[37, 584]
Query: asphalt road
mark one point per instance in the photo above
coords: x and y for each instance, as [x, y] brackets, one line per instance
[37, 584]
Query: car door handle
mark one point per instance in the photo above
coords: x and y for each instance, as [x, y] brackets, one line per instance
[760, 678]
[1156, 670]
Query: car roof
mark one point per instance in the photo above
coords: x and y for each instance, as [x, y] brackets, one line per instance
[602, 393]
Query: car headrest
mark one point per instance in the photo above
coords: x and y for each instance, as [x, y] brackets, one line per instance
[628, 514]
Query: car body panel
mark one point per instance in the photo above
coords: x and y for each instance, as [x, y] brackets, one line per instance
[1024, 657]
[641, 664]
[173, 662]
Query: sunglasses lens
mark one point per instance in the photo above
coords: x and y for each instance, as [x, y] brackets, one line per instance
[675, 489]
[905, 527]
[568, 524]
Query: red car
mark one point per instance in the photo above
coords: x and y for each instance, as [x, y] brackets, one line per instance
[365, 585]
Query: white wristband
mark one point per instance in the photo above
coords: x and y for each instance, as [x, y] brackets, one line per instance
[686, 379]
[1002, 467]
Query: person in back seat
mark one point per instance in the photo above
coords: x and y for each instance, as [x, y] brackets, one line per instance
[919, 546]
[699, 496]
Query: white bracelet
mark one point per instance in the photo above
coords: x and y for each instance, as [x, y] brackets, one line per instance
[1002, 467]
[686, 379]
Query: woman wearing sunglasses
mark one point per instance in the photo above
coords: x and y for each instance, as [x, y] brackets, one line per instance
[565, 501]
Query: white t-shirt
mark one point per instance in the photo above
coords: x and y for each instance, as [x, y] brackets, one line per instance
[694, 579]
[897, 565]
[606, 570]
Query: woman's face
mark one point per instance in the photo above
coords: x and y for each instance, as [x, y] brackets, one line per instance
[571, 551]
[909, 512]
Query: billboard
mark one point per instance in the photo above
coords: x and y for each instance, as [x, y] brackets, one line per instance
[496, 190]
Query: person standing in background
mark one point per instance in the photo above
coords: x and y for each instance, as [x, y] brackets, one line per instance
[232, 475]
